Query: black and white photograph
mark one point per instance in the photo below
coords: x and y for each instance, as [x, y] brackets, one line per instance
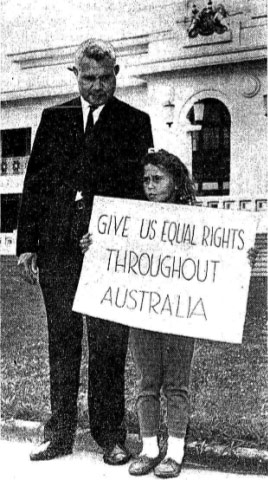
[133, 241]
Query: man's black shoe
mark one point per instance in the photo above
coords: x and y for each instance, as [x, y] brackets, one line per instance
[49, 450]
[116, 456]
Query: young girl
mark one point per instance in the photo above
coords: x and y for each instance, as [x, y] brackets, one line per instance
[163, 361]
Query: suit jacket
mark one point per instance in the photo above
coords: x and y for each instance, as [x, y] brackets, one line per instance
[62, 163]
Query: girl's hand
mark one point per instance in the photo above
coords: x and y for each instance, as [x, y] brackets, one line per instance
[85, 242]
[252, 256]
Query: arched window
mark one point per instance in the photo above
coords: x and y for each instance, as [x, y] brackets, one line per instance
[211, 148]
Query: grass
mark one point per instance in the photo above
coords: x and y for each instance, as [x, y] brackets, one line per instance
[229, 382]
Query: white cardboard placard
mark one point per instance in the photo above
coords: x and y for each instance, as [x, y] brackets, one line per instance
[168, 268]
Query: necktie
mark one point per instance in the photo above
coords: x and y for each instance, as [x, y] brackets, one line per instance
[88, 141]
[90, 122]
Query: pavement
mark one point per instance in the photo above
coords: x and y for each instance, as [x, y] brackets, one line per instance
[88, 467]
[203, 463]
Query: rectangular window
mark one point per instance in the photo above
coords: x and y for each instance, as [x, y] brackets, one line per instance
[15, 142]
[211, 149]
[9, 212]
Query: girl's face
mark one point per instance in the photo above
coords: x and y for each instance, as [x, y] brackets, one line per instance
[158, 184]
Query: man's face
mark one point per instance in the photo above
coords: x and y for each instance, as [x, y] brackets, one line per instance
[96, 80]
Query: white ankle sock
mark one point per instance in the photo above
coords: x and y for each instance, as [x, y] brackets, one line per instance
[150, 446]
[175, 449]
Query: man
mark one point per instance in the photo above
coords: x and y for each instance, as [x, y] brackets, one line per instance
[88, 146]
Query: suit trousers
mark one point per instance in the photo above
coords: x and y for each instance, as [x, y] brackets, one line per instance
[107, 343]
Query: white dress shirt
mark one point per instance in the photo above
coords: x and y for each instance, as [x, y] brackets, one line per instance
[85, 110]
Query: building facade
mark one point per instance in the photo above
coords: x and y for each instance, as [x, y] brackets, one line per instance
[200, 72]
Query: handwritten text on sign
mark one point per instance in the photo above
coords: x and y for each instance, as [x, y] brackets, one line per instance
[168, 268]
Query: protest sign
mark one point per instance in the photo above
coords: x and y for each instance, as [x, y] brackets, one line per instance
[168, 268]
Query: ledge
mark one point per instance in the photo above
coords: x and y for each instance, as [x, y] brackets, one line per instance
[61, 90]
[132, 46]
[189, 62]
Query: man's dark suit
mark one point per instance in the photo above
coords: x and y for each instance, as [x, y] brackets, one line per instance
[51, 224]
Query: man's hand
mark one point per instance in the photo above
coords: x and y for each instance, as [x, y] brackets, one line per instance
[85, 242]
[28, 261]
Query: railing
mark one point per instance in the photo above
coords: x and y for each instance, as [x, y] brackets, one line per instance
[252, 204]
[257, 204]
[15, 165]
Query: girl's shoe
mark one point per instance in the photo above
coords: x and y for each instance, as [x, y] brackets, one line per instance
[143, 464]
[167, 468]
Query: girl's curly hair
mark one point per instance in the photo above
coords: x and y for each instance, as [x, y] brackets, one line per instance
[174, 166]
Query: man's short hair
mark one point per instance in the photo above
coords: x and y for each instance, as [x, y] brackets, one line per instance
[94, 49]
